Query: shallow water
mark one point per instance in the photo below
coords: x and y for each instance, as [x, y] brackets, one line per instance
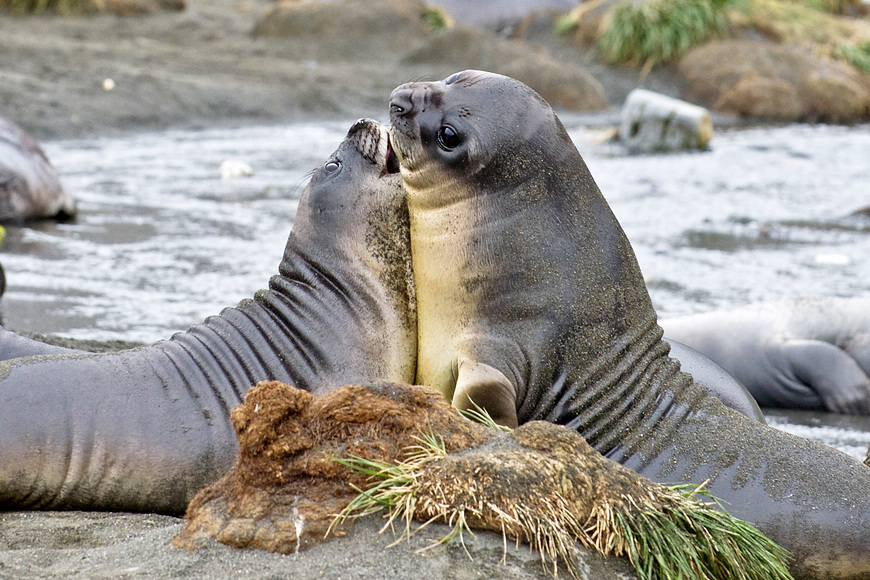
[162, 241]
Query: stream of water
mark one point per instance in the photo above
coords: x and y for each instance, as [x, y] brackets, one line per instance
[162, 241]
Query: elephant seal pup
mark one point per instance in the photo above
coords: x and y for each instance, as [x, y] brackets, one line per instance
[29, 186]
[145, 429]
[716, 380]
[531, 303]
[795, 354]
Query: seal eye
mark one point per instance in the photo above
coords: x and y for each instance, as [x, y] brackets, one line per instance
[331, 167]
[448, 138]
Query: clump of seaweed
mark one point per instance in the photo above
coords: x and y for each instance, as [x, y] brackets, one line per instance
[549, 489]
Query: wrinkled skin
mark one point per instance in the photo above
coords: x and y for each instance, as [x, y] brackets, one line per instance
[145, 429]
[29, 187]
[531, 303]
[795, 354]
[716, 380]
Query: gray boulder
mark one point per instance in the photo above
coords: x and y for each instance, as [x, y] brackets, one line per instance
[652, 122]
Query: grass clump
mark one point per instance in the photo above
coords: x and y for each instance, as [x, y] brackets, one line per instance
[857, 55]
[655, 31]
[437, 19]
[666, 532]
[684, 538]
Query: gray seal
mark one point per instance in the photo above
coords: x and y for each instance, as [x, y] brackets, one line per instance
[716, 380]
[531, 304]
[29, 186]
[145, 429]
[797, 354]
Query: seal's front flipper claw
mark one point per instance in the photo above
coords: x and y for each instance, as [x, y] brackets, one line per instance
[479, 385]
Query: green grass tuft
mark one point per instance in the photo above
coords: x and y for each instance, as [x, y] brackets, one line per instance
[857, 55]
[692, 539]
[654, 31]
[566, 24]
[436, 19]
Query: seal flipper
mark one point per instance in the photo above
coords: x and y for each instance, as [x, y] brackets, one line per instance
[483, 386]
[832, 373]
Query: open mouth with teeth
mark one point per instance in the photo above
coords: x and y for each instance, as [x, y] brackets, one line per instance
[372, 140]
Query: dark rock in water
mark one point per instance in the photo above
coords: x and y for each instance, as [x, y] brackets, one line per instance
[774, 82]
[562, 84]
[29, 186]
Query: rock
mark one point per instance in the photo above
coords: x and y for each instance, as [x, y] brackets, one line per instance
[346, 29]
[29, 186]
[562, 84]
[235, 168]
[654, 122]
[773, 82]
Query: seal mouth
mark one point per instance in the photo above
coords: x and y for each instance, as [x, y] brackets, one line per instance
[372, 140]
[391, 165]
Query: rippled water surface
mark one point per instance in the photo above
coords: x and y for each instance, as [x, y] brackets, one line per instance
[162, 241]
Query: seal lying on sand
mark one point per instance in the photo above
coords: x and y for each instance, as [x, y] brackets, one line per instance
[796, 354]
[718, 382]
[29, 186]
[145, 429]
[531, 304]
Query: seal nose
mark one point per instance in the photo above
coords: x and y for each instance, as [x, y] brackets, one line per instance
[401, 102]
[358, 126]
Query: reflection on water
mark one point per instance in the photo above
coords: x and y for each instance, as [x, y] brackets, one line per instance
[851, 435]
[161, 241]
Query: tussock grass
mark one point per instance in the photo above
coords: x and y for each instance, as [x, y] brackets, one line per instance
[667, 533]
[655, 31]
[437, 19]
[650, 32]
[795, 23]
[858, 55]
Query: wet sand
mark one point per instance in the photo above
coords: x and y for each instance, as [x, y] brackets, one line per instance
[107, 545]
